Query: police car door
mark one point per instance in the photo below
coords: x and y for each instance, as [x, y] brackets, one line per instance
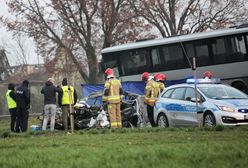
[190, 115]
[176, 107]
[183, 112]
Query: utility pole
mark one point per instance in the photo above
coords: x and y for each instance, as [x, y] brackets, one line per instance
[193, 67]
[69, 87]
[196, 95]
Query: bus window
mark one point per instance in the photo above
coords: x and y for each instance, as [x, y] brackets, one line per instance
[190, 50]
[236, 48]
[135, 62]
[202, 54]
[240, 41]
[156, 61]
[219, 51]
[173, 56]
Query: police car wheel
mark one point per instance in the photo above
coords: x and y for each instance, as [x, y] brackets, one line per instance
[162, 121]
[209, 119]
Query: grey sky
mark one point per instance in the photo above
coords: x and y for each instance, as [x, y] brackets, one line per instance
[6, 37]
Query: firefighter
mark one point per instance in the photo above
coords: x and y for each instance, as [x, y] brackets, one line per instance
[112, 92]
[207, 75]
[151, 93]
[160, 78]
[22, 105]
[66, 102]
[11, 101]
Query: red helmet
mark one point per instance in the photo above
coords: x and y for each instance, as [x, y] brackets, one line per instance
[157, 76]
[207, 74]
[109, 73]
[145, 76]
[162, 77]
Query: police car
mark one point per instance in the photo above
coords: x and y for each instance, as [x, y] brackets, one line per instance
[218, 104]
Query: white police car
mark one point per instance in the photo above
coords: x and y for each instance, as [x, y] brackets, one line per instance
[220, 105]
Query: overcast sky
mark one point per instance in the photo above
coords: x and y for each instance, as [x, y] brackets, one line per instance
[6, 37]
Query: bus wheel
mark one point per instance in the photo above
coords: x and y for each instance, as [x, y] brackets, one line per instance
[240, 86]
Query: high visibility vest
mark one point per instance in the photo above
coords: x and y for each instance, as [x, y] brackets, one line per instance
[152, 91]
[65, 98]
[10, 101]
[114, 86]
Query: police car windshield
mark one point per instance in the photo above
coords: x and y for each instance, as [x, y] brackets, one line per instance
[222, 92]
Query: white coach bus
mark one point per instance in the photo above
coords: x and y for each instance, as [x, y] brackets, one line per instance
[223, 52]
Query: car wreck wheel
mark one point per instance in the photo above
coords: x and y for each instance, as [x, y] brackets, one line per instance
[209, 120]
[162, 121]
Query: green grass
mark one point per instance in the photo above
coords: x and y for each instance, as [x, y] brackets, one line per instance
[148, 147]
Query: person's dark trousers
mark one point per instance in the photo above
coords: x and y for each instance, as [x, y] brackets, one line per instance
[22, 119]
[13, 117]
[150, 115]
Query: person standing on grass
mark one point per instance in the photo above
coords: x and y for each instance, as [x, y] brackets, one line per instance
[49, 91]
[11, 101]
[152, 91]
[66, 102]
[22, 104]
[112, 92]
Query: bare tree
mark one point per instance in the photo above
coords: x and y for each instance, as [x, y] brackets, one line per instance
[18, 49]
[120, 24]
[173, 17]
[81, 27]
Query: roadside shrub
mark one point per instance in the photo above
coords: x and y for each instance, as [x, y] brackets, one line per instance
[5, 134]
[219, 128]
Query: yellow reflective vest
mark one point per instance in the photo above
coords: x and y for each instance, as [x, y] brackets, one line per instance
[114, 86]
[152, 91]
[10, 101]
[65, 97]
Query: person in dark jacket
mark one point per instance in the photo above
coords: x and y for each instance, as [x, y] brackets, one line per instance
[23, 104]
[66, 99]
[49, 91]
[11, 101]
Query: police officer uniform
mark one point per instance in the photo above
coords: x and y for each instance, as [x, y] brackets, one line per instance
[23, 104]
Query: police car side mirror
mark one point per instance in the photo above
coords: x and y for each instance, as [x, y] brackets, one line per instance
[193, 99]
[188, 98]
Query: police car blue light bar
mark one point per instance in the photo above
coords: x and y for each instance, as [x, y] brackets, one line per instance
[204, 81]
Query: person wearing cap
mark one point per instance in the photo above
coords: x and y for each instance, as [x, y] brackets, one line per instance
[151, 93]
[66, 99]
[11, 102]
[49, 91]
[113, 92]
[160, 78]
[22, 104]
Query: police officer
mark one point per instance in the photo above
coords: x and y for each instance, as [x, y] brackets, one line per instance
[151, 93]
[23, 104]
[11, 101]
[66, 99]
[113, 92]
